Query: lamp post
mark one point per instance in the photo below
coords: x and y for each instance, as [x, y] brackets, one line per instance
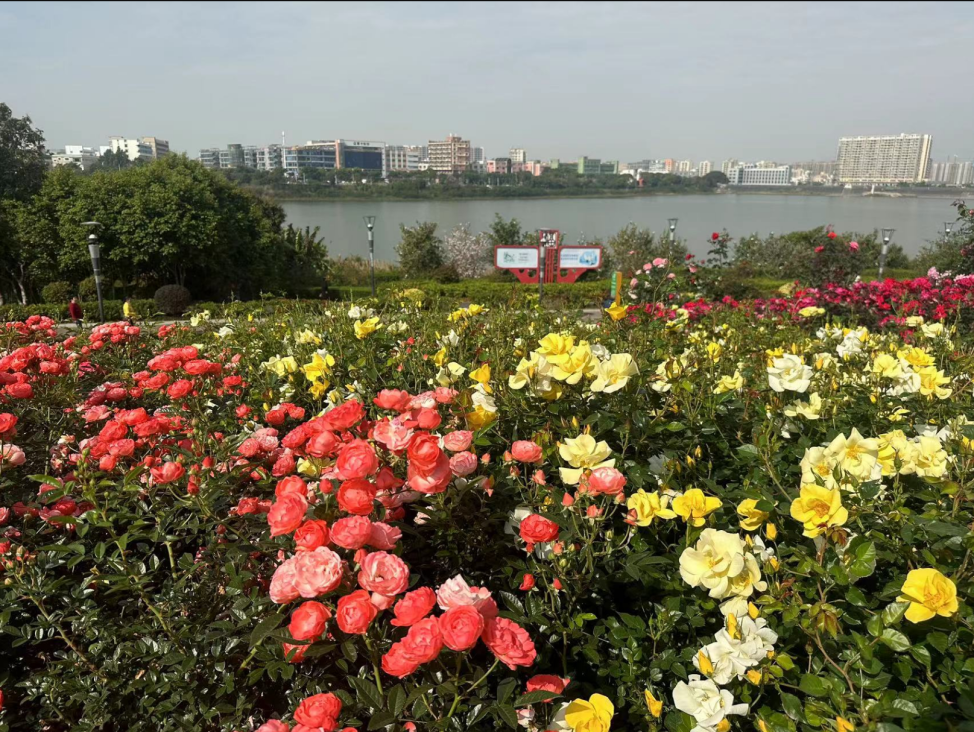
[671, 223]
[887, 235]
[948, 226]
[370, 225]
[94, 250]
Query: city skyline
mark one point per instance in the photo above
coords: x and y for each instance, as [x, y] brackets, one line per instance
[687, 81]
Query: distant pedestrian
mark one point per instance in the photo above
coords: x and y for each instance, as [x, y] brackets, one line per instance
[75, 312]
[129, 312]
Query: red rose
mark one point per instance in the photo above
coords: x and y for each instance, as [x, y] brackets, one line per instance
[287, 514]
[320, 710]
[291, 484]
[311, 534]
[527, 582]
[345, 415]
[461, 627]
[457, 441]
[168, 473]
[463, 464]
[819, 250]
[7, 424]
[351, 532]
[384, 536]
[545, 682]
[509, 642]
[526, 451]
[309, 620]
[606, 480]
[357, 459]
[424, 453]
[112, 431]
[393, 399]
[317, 572]
[536, 529]
[19, 391]
[397, 663]
[384, 573]
[423, 642]
[355, 612]
[356, 496]
[179, 389]
[428, 419]
[715, 236]
[322, 444]
[413, 607]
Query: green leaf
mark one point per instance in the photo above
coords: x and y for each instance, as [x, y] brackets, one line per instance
[784, 660]
[381, 719]
[938, 640]
[793, 706]
[875, 625]
[921, 654]
[895, 640]
[367, 692]
[396, 699]
[507, 714]
[863, 560]
[505, 689]
[905, 706]
[533, 697]
[264, 628]
[894, 612]
[813, 685]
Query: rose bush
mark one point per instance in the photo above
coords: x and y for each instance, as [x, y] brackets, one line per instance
[408, 519]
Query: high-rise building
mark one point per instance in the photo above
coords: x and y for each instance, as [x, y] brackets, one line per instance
[883, 159]
[965, 174]
[683, 167]
[478, 155]
[403, 157]
[518, 155]
[669, 164]
[750, 174]
[79, 155]
[704, 167]
[727, 165]
[133, 148]
[452, 155]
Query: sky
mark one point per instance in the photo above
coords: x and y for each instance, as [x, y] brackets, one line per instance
[617, 81]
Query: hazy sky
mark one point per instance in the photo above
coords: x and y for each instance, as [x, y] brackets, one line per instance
[778, 81]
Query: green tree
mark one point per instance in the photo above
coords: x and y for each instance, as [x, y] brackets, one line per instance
[111, 160]
[23, 159]
[309, 255]
[631, 247]
[715, 178]
[505, 233]
[420, 250]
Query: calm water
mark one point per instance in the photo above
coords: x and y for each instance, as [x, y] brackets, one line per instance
[916, 220]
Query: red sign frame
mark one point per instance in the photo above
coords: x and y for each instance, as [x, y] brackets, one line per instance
[523, 274]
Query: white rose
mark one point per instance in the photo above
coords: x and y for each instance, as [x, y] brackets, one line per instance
[789, 373]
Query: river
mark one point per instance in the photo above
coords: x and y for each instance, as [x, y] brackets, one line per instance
[916, 220]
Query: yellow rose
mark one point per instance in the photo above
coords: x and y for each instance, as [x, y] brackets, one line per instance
[654, 705]
[583, 453]
[729, 383]
[594, 715]
[555, 345]
[693, 506]
[649, 506]
[819, 508]
[751, 517]
[364, 328]
[482, 376]
[614, 374]
[617, 312]
[844, 725]
[929, 593]
[932, 382]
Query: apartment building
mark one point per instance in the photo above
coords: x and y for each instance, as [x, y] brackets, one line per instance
[883, 159]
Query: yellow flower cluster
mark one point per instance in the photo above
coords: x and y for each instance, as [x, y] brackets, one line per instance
[559, 360]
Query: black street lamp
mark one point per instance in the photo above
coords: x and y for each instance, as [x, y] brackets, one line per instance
[94, 250]
[370, 225]
[887, 235]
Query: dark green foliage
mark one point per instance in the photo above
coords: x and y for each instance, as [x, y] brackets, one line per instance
[420, 250]
[57, 292]
[173, 299]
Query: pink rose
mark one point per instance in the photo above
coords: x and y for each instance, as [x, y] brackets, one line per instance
[394, 436]
[12, 455]
[463, 464]
[660, 262]
[384, 573]
[282, 583]
[854, 246]
[606, 480]
[317, 572]
[526, 451]
[311, 534]
[356, 496]
[430, 481]
[456, 592]
[287, 514]
[397, 663]
[423, 642]
[357, 459]
[384, 536]
[457, 441]
[509, 642]
[273, 725]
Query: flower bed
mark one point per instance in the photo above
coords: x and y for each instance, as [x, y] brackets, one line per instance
[407, 519]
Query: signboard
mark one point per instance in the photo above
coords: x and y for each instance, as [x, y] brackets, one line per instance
[549, 237]
[579, 257]
[516, 257]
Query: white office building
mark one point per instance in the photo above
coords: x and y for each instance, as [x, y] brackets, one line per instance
[518, 155]
[728, 165]
[751, 175]
[883, 159]
[83, 157]
[403, 157]
[704, 167]
[269, 157]
[683, 167]
[134, 148]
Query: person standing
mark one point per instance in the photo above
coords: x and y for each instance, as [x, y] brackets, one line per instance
[128, 312]
[75, 312]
